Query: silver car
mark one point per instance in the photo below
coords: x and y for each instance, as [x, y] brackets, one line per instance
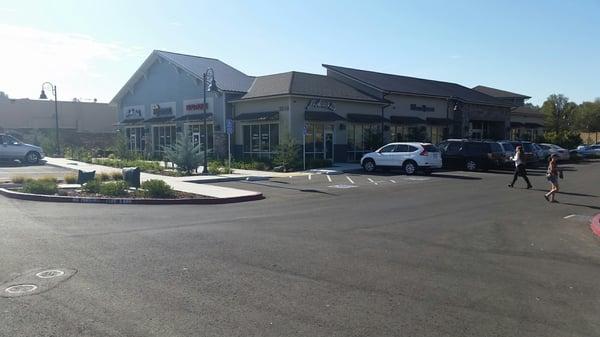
[13, 149]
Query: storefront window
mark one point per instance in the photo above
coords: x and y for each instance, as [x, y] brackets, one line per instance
[316, 147]
[362, 138]
[260, 140]
[196, 132]
[136, 139]
[164, 137]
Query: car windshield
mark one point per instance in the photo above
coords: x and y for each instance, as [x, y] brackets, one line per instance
[528, 147]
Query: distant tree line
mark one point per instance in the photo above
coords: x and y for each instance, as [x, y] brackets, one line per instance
[565, 120]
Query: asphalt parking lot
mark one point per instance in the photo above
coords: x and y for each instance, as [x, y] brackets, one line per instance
[451, 254]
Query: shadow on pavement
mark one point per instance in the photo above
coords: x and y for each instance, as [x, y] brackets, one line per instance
[579, 205]
[450, 176]
[569, 193]
[16, 163]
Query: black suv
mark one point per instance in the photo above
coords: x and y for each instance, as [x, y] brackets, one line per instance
[471, 155]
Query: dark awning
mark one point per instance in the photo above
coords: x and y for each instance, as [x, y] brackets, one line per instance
[516, 124]
[367, 119]
[194, 117]
[258, 116]
[325, 116]
[408, 120]
[533, 125]
[438, 121]
[132, 121]
[162, 119]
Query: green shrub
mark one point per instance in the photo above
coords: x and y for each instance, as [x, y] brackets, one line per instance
[114, 188]
[567, 140]
[40, 187]
[157, 189]
[117, 176]
[71, 178]
[103, 176]
[92, 186]
[184, 154]
[288, 154]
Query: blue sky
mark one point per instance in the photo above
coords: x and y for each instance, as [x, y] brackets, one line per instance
[90, 48]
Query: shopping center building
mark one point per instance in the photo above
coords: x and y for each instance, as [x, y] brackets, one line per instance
[337, 116]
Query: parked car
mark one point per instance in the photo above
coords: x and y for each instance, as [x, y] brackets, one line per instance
[587, 151]
[531, 157]
[509, 151]
[471, 155]
[12, 149]
[541, 153]
[411, 157]
[563, 154]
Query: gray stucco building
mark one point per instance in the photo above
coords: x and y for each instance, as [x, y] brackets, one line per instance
[338, 116]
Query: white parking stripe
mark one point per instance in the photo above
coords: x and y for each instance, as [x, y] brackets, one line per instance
[371, 180]
[350, 180]
[393, 181]
[569, 216]
[329, 178]
[309, 176]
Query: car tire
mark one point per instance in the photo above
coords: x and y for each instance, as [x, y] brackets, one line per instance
[471, 165]
[410, 167]
[32, 157]
[369, 165]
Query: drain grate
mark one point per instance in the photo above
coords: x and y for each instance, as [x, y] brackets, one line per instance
[21, 289]
[50, 273]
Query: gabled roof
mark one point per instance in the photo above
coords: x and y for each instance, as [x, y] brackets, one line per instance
[390, 83]
[526, 110]
[499, 93]
[304, 84]
[227, 77]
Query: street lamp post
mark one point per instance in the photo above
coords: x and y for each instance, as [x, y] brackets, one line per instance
[212, 88]
[43, 96]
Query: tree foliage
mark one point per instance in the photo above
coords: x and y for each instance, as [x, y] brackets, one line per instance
[588, 116]
[559, 113]
[185, 154]
[288, 154]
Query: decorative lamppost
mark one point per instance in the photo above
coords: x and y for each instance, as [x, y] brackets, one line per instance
[209, 74]
[43, 96]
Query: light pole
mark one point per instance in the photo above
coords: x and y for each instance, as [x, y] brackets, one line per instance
[43, 96]
[212, 88]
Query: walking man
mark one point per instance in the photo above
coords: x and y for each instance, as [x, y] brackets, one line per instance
[519, 160]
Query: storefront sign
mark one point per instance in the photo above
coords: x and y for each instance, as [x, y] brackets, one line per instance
[133, 112]
[423, 108]
[320, 105]
[163, 109]
[196, 106]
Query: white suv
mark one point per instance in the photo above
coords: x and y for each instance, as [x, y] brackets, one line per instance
[411, 157]
[13, 149]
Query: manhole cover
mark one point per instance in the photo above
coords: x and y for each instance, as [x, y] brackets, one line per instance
[21, 289]
[343, 186]
[50, 273]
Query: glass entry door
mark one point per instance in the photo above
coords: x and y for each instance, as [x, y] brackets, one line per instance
[329, 144]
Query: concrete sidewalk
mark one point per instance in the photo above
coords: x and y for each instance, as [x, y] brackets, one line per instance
[182, 184]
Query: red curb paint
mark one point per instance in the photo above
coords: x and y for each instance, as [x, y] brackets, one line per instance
[126, 201]
[595, 225]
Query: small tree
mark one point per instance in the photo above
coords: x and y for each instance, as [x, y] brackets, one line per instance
[184, 154]
[120, 147]
[288, 153]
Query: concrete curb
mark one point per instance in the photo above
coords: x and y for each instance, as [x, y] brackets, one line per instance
[595, 225]
[127, 201]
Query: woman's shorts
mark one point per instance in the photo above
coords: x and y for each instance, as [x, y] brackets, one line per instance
[553, 180]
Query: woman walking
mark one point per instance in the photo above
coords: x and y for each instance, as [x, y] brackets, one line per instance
[519, 160]
[552, 175]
